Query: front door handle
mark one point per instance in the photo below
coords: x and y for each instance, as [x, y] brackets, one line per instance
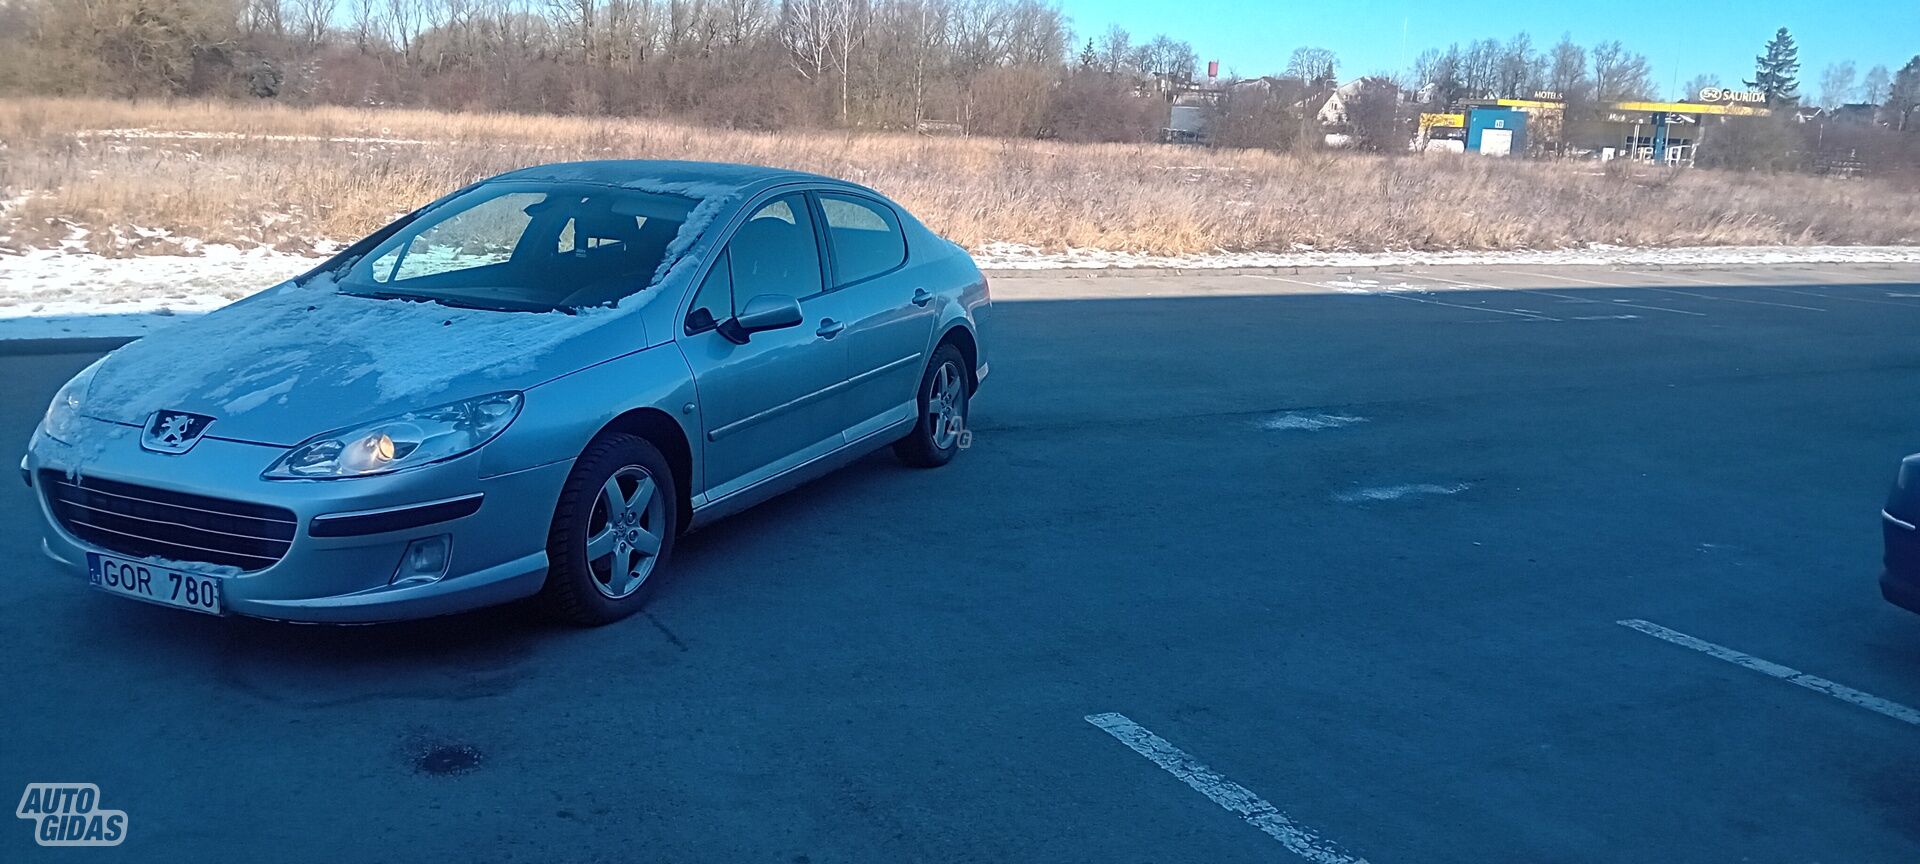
[829, 328]
[921, 297]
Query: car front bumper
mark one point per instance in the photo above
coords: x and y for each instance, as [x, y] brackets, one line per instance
[343, 565]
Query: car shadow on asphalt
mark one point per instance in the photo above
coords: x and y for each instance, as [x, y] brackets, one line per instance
[465, 639]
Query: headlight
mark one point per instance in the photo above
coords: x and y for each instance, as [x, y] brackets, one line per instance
[63, 419]
[408, 441]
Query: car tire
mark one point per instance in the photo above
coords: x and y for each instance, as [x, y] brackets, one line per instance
[942, 401]
[606, 554]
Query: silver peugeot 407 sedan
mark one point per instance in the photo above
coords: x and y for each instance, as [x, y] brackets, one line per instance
[531, 386]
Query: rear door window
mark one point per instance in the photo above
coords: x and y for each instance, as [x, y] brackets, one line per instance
[866, 237]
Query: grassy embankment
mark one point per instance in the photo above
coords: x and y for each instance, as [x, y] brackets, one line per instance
[253, 174]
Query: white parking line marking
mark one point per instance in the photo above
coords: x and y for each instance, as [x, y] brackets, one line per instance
[1812, 682]
[1834, 274]
[1298, 839]
[1314, 285]
[1570, 279]
[1727, 299]
[1528, 315]
[1572, 299]
[1666, 274]
[1835, 296]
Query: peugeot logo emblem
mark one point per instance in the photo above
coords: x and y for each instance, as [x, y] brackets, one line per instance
[174, 431]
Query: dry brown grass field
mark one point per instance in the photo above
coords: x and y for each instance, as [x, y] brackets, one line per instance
[288, 177]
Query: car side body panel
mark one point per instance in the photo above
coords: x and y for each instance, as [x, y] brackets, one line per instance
[561, 416]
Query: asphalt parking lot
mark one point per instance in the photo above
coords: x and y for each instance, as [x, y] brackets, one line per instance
[1359, 543]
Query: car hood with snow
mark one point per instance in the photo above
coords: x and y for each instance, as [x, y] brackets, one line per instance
[298, 360]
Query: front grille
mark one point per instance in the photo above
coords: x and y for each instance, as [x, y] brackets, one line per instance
[142, 521]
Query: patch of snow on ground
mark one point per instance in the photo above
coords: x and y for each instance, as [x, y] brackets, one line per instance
[1311, 422]
[52, 293]
[182, 135]
[1394, 493]
[1373, 286]
[8, 205]
[1014, 256]
[68, 292]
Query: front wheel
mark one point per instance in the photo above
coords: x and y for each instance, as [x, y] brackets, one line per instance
[942, 401]
[612, 533]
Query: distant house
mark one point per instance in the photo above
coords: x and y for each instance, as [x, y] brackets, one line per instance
[1854, 113]
[1332, 112]
[1850, 114]
[1289, 91]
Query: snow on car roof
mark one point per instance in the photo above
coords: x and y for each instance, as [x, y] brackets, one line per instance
[660, 175]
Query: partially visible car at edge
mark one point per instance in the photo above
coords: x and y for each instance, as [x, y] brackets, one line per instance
[531, 386]
[1900, 580]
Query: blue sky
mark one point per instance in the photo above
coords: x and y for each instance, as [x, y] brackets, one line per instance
[1680, 39]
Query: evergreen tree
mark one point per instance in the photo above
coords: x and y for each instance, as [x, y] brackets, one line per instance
[1902, 109]
[1088, 58]
[1776, 73]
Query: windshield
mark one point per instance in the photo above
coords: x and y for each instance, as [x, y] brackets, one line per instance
[525, 247]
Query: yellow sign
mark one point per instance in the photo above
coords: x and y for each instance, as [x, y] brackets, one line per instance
[1692, 108]
[1529, 103]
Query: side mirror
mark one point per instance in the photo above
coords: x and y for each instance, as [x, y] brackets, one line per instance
[763, 312]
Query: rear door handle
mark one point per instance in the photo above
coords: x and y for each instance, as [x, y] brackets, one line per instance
[921, 297]
[829, 328]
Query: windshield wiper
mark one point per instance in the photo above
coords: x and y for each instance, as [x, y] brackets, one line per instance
[504, 305]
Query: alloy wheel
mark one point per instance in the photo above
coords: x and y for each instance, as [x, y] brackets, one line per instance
[946, 403]
[624, 531]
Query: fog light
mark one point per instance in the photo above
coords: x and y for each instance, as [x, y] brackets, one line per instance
[425, 560]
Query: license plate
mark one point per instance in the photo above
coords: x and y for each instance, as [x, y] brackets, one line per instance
[153, 583]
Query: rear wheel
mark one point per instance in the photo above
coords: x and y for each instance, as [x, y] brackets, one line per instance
[943, 403]
[612, 533]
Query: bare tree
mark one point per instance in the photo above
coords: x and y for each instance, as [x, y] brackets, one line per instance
[310, 19]
[1873, 88]
[1567, 70]
[1619, 74]
[1480, 71]
[263, 17]
[1836, 84]
[1313, 64]
[1441, 75]
[1115, 50]
[1168, 59]
[364, 23]
[1519, 72]
[405, 18]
